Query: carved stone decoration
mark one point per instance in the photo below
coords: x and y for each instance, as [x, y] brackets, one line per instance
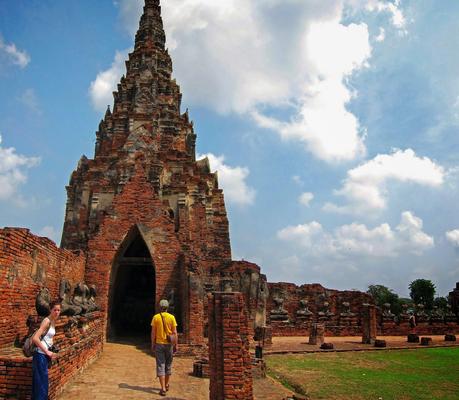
[404, 315]
[304, 311]
[279, 313]
[421, 314]
[387, 313]
[80, 295]
[226, 283]
[93, 306]
[42, 302]
[325, 312]
[143, 100]
[347, 310]
[437, 315]
[67, 307]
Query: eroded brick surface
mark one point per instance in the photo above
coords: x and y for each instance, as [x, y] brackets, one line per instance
[229, 357]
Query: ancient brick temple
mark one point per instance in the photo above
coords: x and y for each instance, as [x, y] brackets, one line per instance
[145, 220]
[151, 218]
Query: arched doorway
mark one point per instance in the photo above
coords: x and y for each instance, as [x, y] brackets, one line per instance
[133, 290]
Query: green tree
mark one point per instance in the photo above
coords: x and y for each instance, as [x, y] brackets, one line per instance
[382, 295]
[422, 291]
[440, 302]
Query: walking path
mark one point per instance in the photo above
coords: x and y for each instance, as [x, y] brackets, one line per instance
[128, 372]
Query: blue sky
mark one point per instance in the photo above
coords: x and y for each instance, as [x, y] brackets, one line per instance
[333, 124]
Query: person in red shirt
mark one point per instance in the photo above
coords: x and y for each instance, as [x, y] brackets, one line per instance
[163, 344]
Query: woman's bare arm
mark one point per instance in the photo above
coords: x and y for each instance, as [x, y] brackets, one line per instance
[44, 326]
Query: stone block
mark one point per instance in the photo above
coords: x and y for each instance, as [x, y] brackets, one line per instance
[426, 341]
[412, 338]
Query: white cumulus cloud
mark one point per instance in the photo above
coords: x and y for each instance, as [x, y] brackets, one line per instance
[243, 55]
[392, 8]
[354, 240]
[306, 198]
[102, 88]
[232, 180]
[13, 172]
[365, 187]
[453, 237]
[13, 54]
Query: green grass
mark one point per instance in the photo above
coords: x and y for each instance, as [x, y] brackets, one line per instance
[421, 374]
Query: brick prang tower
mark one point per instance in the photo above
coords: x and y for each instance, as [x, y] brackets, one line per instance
[146, 124]
[143, 209]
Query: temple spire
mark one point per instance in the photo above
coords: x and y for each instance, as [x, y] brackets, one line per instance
[151, 31]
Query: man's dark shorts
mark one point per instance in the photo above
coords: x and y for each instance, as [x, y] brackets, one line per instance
[164, 355]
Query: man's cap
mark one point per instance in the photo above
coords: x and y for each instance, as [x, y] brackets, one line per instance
[164, 303]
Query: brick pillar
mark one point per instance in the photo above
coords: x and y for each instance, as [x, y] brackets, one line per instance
[316, 336]
[369, 324]
[229, 357]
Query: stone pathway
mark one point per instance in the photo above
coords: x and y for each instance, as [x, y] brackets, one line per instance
[128, 372]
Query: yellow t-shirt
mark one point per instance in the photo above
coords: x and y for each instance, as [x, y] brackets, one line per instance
[169, 323]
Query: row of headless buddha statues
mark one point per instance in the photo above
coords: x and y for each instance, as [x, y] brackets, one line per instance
[82, 301]
[279, 313]
[419, 310]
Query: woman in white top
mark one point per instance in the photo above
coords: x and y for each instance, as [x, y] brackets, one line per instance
[43, 340]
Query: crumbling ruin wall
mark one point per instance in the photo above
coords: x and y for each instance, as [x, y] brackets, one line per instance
[289, 315]
[27, 264]
[244, 277]
[80, 342]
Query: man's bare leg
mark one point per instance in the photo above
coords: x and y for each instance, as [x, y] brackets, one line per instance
[162, 381]
[167, 382]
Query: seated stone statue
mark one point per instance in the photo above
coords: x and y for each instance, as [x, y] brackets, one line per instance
[420, 311]
[325, 312]
[278, 313]
[387, 313]
[421, 314]
[449, 314]
[42, 302]
[404, 315]
[80, 297]
[436, 315]
[304, 311]
[67, 306]
[92, 293]
[347, 310]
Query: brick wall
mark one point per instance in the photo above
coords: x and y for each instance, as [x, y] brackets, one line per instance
[229, 357]
[27, 263]
[80, 342]
[135, 208]
[335, 325]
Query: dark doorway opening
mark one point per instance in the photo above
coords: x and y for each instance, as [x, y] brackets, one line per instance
[133, 292]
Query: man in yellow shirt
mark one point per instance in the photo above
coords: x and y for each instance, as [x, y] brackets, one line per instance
[163, 329]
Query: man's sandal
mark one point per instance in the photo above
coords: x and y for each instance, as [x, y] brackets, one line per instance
[167, 387]
[162, 392]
